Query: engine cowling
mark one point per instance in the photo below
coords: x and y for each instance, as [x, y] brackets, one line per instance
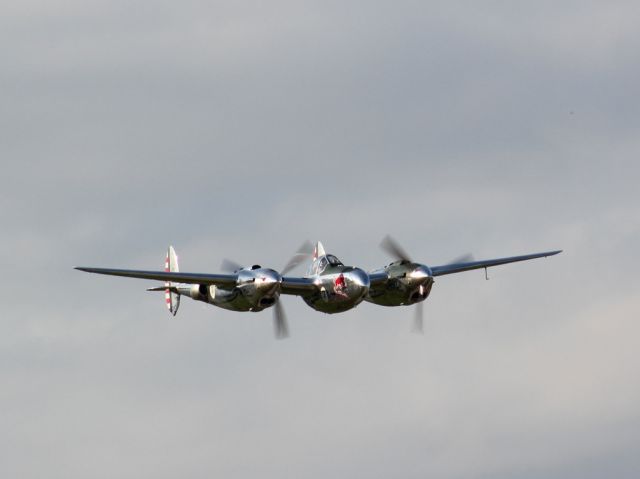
[259, 287]
[256, 289]
[408, 283]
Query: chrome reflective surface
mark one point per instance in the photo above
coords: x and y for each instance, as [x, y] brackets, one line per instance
[255, 290]
[408, 283]
[329, 286]
[339, 288]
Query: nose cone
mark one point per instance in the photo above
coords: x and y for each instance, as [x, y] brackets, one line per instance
[359, 278]
[420, 272]
[359, 285]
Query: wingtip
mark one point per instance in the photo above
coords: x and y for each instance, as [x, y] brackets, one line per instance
[86, 269]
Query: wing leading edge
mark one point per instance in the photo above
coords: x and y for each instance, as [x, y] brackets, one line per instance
[299, 286]
[290, 285]
[191, 278]
[460, 267]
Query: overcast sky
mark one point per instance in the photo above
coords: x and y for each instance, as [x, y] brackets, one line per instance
[240, 129]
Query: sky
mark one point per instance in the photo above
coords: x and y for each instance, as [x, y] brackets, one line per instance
[239, 130]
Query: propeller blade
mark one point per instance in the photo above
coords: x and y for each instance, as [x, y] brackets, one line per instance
[280, 321]
[465, 258]
[229, 266]
[393, 248]
[303, 253]
[418, 319]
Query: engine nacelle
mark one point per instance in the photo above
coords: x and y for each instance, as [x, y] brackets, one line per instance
[259, 288]
[255, 289]
[408, 283]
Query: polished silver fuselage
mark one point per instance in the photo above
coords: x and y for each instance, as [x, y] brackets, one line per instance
[339, 288]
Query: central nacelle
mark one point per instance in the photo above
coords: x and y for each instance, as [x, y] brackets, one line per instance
[340, 290]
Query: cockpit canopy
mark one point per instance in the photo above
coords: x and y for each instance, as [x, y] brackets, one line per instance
[323, 262]
[333, 261]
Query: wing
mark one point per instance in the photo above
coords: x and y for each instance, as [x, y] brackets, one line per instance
[378, 278]
[460, 267]
[192, 278]
[308, 286]
[299, 286]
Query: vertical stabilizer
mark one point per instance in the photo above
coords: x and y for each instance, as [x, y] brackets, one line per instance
[172, 298]
[318, 251]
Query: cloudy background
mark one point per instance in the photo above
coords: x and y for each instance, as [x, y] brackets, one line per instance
[239, 129]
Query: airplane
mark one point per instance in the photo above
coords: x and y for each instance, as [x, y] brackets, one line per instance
[328, 286]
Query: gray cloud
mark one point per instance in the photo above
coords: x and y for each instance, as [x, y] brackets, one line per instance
[239, 130]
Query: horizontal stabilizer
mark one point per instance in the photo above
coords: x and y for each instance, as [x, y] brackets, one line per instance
[173, 289]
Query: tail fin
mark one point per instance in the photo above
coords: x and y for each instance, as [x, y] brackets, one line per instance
[172, 298]
[318, 251]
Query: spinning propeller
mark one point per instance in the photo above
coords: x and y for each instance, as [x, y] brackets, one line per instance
[304, 252]
[280, 326]
[393, 249]
[230, 266]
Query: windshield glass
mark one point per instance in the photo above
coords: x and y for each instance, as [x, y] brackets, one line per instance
[319, 265]
[333, 261]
